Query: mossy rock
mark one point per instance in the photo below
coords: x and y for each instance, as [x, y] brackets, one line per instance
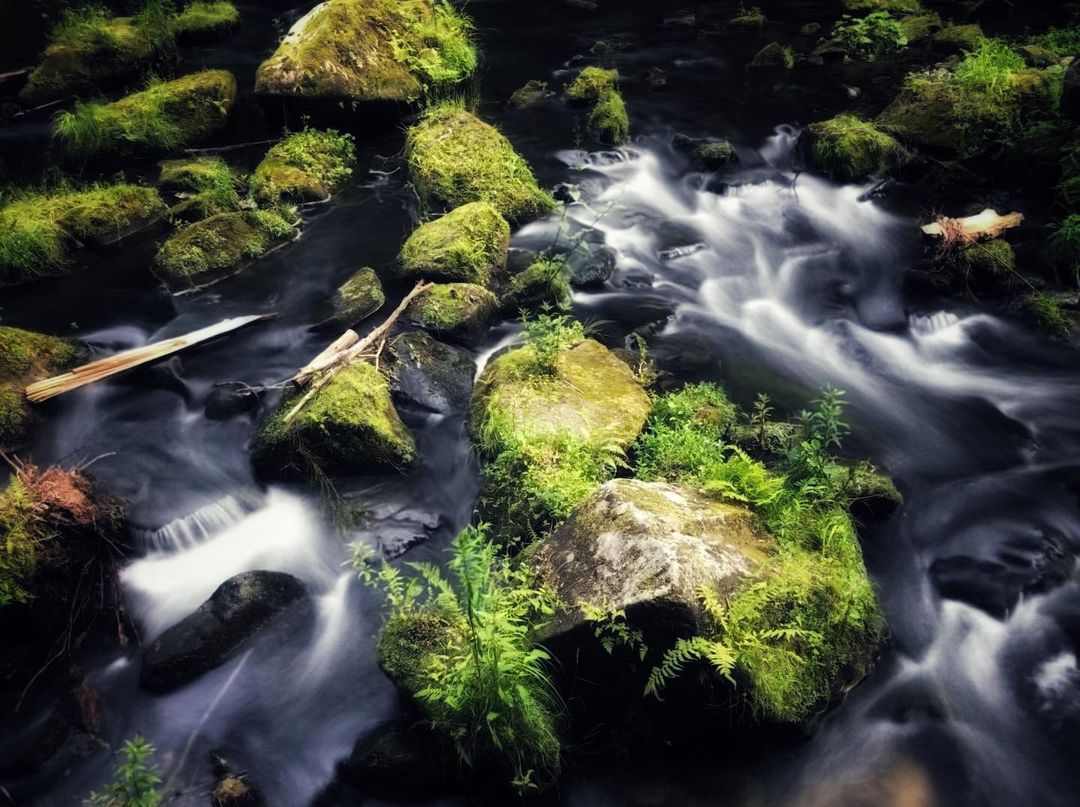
[26, 357]
[531, 93]
[1038, 56]
[543, 283]
[608, 122]
[201, 21]
[163, 117]
[406, 645]
[358, 297]
[920, 28]
[455, 158]
[379, 53]
[590, 85]
[208, 186]
[983, 260]
[40, 230]
[748, 21]
[469, 244]
[104, 52]
[219, 245]
[460, 311]
[848, 148]
[958, 38]
[772, 57]
[710, 154]
[350, 423]
[430, 375]
[894, 6]
[304, 167]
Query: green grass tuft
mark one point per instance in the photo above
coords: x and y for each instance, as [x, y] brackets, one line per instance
[1048, 315]
[847, 147]
[608, 121]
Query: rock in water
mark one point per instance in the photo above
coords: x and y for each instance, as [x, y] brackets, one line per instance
[469, 245]
[462, 312]
[429, 374]
[358, 298]
[206, 639]
[403, 759]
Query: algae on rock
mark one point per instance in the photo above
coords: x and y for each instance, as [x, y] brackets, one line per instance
[469, 244]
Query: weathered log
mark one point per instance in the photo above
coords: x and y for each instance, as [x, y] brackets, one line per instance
[988, 224]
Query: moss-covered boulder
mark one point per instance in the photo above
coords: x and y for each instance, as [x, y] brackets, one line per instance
[710, 154]
[608, 122]
[920, 28]
[377, 53]
[217, 246]
[40, 231]
[350, 423]
[748, 19]
[205, 186]
[532, 93]
[163, 117]
[304, 167]
[407, 643]
[455, 158]
[590, 85]
[849, 148]
[358, 297]
[201, 21]
[26, 357]
[958, 38]
[772, 57]
[550, 419]
[543, 283]
[460, 311]
[469, 244]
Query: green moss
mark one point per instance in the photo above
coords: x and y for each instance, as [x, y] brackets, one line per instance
[714, 155]
[608, 122]
[918, 28]
[380, 51]
[406, 645]
[897, 6]
[39, 229]
[201, 21]
[25, 357]
[987, 258]
[1061, 41]
[359, 297]
[590, 85]
[304, 167]
[217, 245]
[17, 538]
[957, 38]
[531, 93]
[1047, 314]
[458, 310]
[748, 19]
[687, 434]
[543, 283]
[209, 183]
[847, 148]
[1063, 246]
[773, 55]
[351, 423]
[455, 158]
[468, 244]
[163, 117]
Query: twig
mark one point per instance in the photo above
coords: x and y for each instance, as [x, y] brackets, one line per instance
[233, 147]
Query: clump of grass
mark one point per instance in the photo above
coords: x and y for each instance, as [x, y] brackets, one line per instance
[305, 166]
[608, 121]
[590, 85]
[547, 337]
[847, 147]
[1048, 315]
[438, 48]
[201, 20]
[483, 679]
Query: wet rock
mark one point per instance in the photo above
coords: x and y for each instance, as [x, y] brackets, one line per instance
[590, 265]
[26, 357]
[430, 374]
[398, 760]
[1070, 92]
[460, 311]
[773, 56]
[231, 398]
[467, 245]
[532, 93]
[848, 148]
[358, 298]
[711, 155]
[306, 166]
[206, 639]
[349, 423]
[957, 38]
[920, 28]
[656, 78]
[1038, 56]
[543, 283]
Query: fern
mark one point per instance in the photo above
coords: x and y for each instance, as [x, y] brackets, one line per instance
[697, 648]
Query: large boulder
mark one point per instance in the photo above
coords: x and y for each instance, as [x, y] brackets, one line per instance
[239, 608]
[460, 311]
[455, 158]
[380, 55]
[26, 357]
[468, 245]
[349, 423]
[430, 375]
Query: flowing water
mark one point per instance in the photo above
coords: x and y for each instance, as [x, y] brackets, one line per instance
[764, 277]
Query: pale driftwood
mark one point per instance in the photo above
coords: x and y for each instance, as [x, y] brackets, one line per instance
[344, 350]
[129, 359]
[988, 224]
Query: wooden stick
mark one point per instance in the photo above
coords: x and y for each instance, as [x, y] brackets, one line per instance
[129, 359]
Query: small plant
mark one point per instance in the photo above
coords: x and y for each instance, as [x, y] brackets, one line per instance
[1062, 41]
[1063, 245]
[869, 37]
[548, 336]
[760, 418]
[135, 780]
[613, 631]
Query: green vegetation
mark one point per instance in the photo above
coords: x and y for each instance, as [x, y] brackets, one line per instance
[18, 556]
[590, 85]
[438, 48]
[458, 310]
[202, 20]
[217, 245]
[359, 297]
[25, 357]
[135, 779]
[898, 6]
[983, 259]
[1063, 245]
[543, 283]
[748, 18]
[39, 228]
[163, 117]
[871, 36]
[773, 55]
[848, 148]
[304, 167]
[1047, 314]
[455, 158]
[465, 649]
[530, 93]
[810, 613]
[608, 122]
[1061, 41]
[469, 244]
[210, 179]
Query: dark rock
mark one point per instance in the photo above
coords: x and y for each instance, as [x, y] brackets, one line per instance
[590, 266]
[1070, 92]
[396, 761]
[430, 374]
[230, 399]
[211, 636]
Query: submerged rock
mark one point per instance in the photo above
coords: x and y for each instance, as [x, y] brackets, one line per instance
[369, 53]
[358, 297]
[455, 158]
[429, 374]
[350, 423]
[304, 167]
[26, 357]
[231, 398]
[469, 244]
[590, 265]
[460, 311]
[239, 608]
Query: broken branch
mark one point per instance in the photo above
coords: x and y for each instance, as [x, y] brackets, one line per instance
[988, 224]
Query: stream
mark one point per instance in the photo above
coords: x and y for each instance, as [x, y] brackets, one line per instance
[762, 277]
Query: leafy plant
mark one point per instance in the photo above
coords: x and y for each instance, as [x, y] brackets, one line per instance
[871, 36]
[760, 418]
[135, 779]
[548, 335]
[613, 631]
[439, 48]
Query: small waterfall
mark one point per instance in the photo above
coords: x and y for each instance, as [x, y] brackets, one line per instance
[198, 526]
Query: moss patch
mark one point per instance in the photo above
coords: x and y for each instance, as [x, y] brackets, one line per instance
[590, 85]
[531, 93]
[544, 283]
[772, 56]
[958, 38]
[462, 311]
[350, 423]
[848, 148]
[26, 357]
[359, 297]
[209, 184]
[1047, 315]
[304, 167]
[163, 117]
[455, 158]
[897, 6]
[40, 229]
[919, 28]
[17, 555]
[608, 122]
[220, 244]
[381, 51]
[204, 21]
[468, 244]
[407, 643]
